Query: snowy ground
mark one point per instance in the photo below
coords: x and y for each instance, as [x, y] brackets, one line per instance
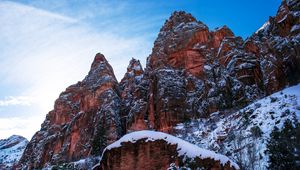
[230, 134]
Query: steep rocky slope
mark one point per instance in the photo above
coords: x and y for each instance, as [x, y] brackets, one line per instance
[193, 73]
[235, 134]
[11, 150]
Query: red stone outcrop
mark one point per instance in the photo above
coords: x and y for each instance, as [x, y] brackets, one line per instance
[157, 152]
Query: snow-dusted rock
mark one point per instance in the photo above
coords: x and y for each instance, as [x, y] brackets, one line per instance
[157, 150]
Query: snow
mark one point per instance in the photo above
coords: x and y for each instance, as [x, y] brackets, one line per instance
[296, 13]
[246, 66]
[284, 18]
[293, 91]
[184, 148]
[188, 26]
[81, 161]
[86, 163]
[137, 67]
[207, 67]
[266, 25]
[295, 28]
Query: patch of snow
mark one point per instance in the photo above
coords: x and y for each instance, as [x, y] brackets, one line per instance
[137, 67]
[81, 161]
[266, 25]
[207, 67]
[246, 66]
[295, 28]
[296, 13]
[284, 18]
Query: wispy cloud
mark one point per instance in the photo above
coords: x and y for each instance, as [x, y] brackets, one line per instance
[43, 52]
[18, 100]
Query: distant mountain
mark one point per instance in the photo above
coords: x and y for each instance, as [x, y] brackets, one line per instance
[11, 150]
[198, 85]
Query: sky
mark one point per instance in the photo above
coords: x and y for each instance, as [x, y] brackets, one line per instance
[47, 45]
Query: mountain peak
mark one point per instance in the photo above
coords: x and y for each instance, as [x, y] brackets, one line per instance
[134, 64]
[100, 70]
[99, 58]
[182, 16]
[134, 70]
[225, 31]
[177, 18]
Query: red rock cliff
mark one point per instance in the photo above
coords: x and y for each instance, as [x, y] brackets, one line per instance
[81, 113]
[193, 71]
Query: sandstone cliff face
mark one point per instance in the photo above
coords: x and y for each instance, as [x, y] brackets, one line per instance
[193, 71]
[155, 150]
[187, 74]
[81, 113]
[277, 46]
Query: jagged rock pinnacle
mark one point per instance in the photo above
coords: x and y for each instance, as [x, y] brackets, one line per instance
[99, 58]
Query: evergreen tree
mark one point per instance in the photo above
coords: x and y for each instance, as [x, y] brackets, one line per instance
[100, 140]
[283, 147]
[256, 132]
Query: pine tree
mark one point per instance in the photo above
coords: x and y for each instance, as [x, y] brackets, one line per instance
[273, 149]
[283, 147]
[100, 140]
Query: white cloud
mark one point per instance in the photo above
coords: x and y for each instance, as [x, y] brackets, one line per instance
[44, 52]
[19, 100]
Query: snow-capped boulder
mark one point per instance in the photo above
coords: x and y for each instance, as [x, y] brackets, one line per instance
[157, 150]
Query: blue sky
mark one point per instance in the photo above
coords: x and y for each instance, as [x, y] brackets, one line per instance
[47, 45]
